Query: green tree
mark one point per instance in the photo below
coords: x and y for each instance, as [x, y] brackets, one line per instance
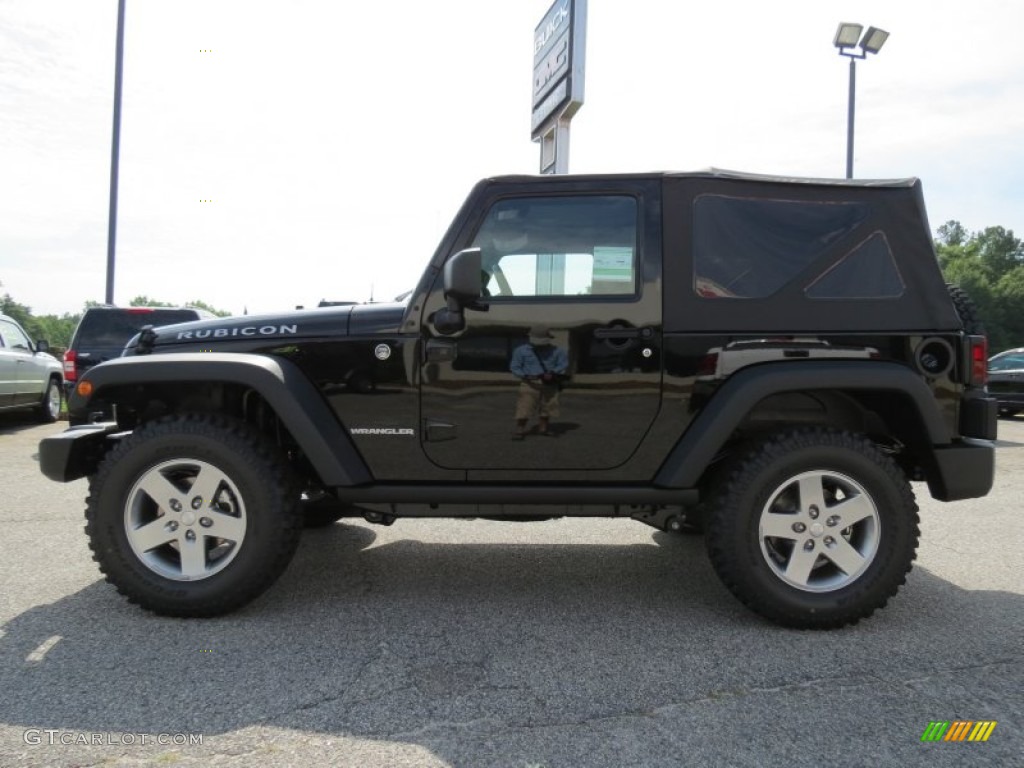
[952, 233]
[20, 312]
[999, 250]
[212, 310]
[146, 301]
[989, 265]
[57, 330]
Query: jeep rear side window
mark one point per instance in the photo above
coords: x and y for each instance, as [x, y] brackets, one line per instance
[749, 248]
[559, 246]
[866, 272]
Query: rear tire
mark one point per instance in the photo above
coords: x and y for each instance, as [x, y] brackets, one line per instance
[813, 528]
[193, 515]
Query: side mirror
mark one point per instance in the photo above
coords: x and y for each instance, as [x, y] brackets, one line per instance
[42, 345]
[462, 283]
[463, 286]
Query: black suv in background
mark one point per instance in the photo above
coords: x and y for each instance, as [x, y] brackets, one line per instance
[103, 331]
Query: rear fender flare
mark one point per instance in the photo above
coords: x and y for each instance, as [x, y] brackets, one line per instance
[741, 392]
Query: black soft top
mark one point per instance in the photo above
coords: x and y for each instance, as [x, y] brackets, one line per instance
[713, 173]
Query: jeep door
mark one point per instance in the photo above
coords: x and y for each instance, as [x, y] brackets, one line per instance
[578, 268]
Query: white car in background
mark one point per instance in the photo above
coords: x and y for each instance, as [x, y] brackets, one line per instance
[30, 377]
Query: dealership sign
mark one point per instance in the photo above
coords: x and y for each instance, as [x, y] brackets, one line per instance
[559, 47]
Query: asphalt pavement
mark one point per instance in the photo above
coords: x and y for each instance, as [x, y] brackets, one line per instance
[473, 643]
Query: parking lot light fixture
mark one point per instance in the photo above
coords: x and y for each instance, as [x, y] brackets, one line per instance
[847, 35]
[847, 38]
[873, 40]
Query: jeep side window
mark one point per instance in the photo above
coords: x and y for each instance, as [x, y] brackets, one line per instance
[559, 246]
[750, 248]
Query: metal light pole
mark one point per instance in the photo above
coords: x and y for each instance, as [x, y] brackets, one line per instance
[847, 37]
[115, 151]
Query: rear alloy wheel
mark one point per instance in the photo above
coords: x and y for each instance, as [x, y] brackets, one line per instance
[193, 515]
[49, 408]
[813, 528]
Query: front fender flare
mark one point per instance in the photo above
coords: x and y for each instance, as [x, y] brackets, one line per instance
[295, 399]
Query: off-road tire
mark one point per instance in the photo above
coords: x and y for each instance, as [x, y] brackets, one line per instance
[260, 482]
[967, 310]
[49, 406]
[740, 506]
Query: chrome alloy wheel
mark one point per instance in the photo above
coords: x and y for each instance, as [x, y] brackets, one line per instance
[53, 401]
[819, 531]
[185, 519]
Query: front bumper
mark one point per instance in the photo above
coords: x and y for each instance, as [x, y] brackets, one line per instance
[76, 452]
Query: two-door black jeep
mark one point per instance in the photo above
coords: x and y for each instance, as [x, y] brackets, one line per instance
[769, 360]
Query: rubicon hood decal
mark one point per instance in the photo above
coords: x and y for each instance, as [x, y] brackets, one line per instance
[246, 330]
[320, 323]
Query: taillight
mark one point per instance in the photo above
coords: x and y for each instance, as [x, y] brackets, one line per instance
[70, 367]
[979, 360]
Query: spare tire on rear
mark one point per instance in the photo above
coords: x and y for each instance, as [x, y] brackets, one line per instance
[967, 310]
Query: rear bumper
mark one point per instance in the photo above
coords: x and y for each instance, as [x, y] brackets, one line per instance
[966, 469]
[75, 452]
[979, 416]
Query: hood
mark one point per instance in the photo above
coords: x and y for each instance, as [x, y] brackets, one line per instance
[329, 321]
[376, 319]
[326, 322]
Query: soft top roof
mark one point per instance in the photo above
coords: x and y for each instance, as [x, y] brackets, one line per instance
[718, 173]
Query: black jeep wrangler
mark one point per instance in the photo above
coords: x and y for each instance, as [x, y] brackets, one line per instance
[770, 361]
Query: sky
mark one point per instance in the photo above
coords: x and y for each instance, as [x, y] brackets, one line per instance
[276, 153]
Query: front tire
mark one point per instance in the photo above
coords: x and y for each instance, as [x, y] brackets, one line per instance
[813, 528]
[193, 515]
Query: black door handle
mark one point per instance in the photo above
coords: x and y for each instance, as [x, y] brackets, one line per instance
[616, 332]
[441, 351]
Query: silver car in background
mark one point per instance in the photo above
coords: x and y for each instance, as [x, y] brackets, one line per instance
[30, 377]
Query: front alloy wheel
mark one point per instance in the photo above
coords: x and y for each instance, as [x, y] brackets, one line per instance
[185, 519]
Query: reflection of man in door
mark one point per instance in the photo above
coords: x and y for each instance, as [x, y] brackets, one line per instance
[540, 366]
